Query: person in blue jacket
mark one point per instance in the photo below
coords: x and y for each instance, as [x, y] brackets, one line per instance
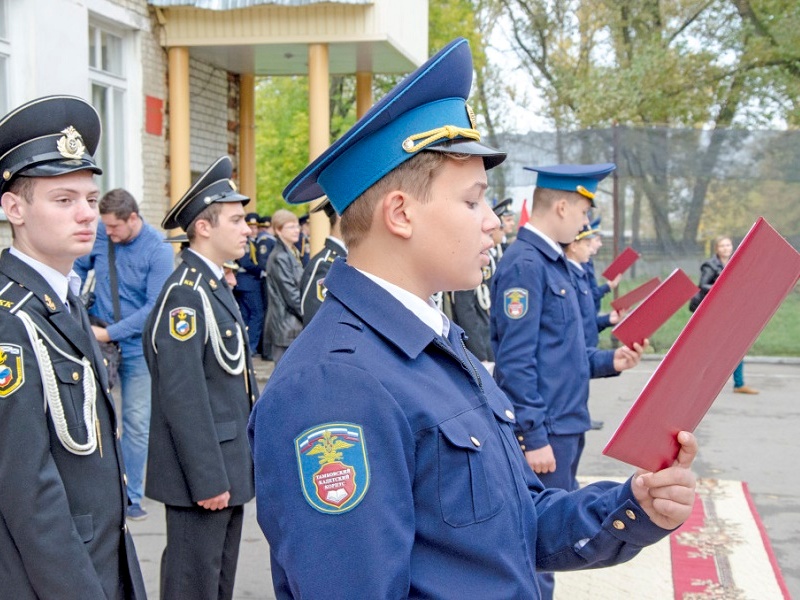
[249, 290]
[542, 361]
[385, 456]
[598, 291]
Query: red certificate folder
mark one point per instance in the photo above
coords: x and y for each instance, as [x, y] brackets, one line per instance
[621, 264]
[635, 295]
[656, 309]
[761, 273]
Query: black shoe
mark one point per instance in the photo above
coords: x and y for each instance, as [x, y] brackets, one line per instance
[597, 425]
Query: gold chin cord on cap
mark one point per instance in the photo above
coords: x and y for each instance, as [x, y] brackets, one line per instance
[434, 135]
[584, 192]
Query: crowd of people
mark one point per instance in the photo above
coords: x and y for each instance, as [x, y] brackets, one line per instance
[387, 445]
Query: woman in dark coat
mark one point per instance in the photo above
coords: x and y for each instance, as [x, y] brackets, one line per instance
[709, 272]
[284, 320]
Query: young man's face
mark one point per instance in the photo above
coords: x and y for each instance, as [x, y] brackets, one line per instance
[580, 250]
[59, 223]
[229, 236]
[454, 227]
[574, 216]
[507, 224]
[120, 231]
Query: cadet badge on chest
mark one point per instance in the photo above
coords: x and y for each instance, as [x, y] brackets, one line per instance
[12, 375]
[182, 323]
[515, 303]
[333, 466]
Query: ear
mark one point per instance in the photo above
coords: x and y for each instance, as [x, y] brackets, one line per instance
[395, 210]
[560, 206]
[12, 206]
[202, 228]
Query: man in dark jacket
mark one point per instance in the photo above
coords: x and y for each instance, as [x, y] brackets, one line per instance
[312, 284]
[199, 463]
[62, 507]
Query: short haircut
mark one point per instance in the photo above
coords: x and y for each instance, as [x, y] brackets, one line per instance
[210, 214]
[22, 187]
[120, 203]
[414, 176]
[281, 217]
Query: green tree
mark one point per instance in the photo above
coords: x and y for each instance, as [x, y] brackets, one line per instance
[713, 64]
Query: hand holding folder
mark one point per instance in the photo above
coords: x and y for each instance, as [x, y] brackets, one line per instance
[761, 273]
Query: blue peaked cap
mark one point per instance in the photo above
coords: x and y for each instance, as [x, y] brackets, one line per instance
[426, 111]
[582, 179]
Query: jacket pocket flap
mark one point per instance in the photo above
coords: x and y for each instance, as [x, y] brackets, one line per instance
[226, 431]
[466, 431]
[68, 372]
[84, 526]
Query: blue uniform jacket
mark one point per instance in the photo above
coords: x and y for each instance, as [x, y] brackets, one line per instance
[541, 359]
[598, 291]
[586, 302]
[449, 508]
[248, 279]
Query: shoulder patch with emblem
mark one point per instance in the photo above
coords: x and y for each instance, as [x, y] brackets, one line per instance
[515, 302]
[182, 323]
[12, 374]
[322, 291]
[334, 471]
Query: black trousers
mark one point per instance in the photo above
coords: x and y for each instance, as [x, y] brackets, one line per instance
[199, 561]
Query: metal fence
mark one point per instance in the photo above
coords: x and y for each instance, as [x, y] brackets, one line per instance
[674, 190]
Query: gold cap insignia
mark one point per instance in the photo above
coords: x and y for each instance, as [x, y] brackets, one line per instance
[233, 185]
[49, 302]
[70, 145]
[471, 115]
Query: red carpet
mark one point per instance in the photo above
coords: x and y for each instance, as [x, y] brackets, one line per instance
[721, 552]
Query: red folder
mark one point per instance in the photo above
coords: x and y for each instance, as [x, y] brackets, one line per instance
[621, 264]
[635, 295]
[761, 273]
[656, 309]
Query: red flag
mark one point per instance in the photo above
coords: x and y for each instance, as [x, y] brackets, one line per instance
[523, 215]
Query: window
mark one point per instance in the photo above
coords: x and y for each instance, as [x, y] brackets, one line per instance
[5, 51]
[109, 86]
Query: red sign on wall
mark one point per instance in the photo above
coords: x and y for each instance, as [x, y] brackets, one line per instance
[154, 115]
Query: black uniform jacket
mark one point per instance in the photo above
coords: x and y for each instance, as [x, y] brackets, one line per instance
[311, 284]
[198, 425]
[62, 515]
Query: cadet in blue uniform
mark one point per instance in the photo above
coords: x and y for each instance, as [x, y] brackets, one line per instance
[541, 359]
[199, 463]
[312, 286]
[598, 291]
[386, 462]
[63, 498]
[249, 291]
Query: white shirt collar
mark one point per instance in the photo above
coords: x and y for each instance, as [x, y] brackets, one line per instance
[216, 269]
[58, 281]
[427, 312]
[576, 263]
[549, 241]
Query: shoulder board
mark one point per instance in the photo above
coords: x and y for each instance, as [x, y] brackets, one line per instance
[191, 277]
[13, 296]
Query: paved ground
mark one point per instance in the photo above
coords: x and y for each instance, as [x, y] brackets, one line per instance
[749, 438]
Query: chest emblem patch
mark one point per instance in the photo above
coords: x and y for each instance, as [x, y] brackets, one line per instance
[515, 303]
[182, 323]
[12, 375]
[334, 471]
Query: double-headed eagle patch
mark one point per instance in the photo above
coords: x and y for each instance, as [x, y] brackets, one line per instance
[333, 466]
